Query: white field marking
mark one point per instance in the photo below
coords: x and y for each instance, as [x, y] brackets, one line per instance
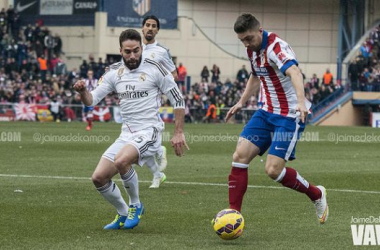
[180, 183]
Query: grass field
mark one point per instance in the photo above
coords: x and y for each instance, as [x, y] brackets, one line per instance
[59, 208]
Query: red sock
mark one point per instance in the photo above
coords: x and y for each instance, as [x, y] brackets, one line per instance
[89, 122]
[292, 179]
[237, 185]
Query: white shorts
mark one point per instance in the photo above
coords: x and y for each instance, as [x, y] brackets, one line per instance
[146, 141]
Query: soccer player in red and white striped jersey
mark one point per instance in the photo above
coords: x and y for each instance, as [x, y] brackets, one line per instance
[277, 126]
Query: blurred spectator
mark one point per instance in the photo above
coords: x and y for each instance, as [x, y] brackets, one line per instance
[215, 73]
[42, 63]
[182, 73]
[84, 67]
[49, 43]
[327, 78]
[56, 109]
[353, 74]
[314, 82]
[211, 113]
[205, 74]
[57, 45]
[242, 74]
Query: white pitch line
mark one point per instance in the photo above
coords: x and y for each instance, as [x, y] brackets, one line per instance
[180, 183]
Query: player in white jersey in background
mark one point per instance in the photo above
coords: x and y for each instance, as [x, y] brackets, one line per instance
[154, 51]
[91, 84]
[139, 85]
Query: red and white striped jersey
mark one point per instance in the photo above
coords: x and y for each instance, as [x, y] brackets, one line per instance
[91, 84]
[277, 93]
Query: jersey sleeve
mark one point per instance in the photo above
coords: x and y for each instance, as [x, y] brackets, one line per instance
[105, 86]
[283, 56]
[167, 85]
[167, 61]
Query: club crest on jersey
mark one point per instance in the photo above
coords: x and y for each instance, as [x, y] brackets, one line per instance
[142, 77]
[153, 55]
[120, 73]
[282, 57]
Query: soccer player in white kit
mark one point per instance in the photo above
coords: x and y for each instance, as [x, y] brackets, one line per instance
[138, 84]
[156, 52]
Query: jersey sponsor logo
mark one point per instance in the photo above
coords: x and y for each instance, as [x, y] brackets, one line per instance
[133, 94]
[261, 71]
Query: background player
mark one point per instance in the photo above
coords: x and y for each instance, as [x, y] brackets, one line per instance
[138, 85]
[275, 68]
[91, 84]
[155, 51]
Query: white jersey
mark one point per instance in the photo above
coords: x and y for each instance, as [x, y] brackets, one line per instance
[160, 54]
[139, 93]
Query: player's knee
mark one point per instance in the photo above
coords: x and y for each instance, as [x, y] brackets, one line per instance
[240, 158]
[122, 163]
[99, 180]
[272, 170]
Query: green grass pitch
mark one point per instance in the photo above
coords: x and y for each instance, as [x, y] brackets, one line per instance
[67, 213]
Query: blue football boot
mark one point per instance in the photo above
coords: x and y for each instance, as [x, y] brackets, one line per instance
[134, 215]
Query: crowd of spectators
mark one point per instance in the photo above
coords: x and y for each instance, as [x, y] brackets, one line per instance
[31, 68]
[32, 71]
[364, 70]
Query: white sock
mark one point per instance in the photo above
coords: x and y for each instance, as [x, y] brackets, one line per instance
[111, 193]
[131, 185]
[153, 167]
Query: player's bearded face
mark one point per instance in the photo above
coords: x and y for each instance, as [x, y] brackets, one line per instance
[252, 39]
[150, 29]
[131, 53]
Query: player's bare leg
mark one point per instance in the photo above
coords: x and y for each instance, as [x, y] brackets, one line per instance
[102, 179]
[124, 159]
[288, 177]
[238, 179]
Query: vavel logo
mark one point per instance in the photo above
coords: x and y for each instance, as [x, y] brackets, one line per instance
[365, 231]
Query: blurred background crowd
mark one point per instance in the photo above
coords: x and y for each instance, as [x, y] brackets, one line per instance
[32, 71]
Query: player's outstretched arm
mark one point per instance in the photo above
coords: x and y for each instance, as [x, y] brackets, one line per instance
[252, 88]
[178, 141]
[85, 96]
[297, 79]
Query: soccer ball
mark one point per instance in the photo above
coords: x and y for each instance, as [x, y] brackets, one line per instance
[228, 224]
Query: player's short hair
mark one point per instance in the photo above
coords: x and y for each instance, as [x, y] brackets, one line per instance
[151, 17]
[129, 34]
[246, 22]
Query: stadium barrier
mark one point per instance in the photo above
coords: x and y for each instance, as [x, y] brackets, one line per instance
[74, 112]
